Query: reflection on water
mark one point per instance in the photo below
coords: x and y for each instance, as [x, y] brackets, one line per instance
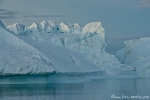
[92, 90]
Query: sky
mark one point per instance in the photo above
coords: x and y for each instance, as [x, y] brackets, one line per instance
[122, 19]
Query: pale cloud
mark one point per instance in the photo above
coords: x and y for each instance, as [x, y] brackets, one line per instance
[7, 14]
[144, 3]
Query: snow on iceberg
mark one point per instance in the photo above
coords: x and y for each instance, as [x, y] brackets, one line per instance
[136, 53]
[75, 28]
[49, 27]
[46, 27]
[70, 28]
[43, 27]
[64, 28]
[17, 28]
[35, 27]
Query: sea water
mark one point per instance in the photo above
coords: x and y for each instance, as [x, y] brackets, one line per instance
[97, 89]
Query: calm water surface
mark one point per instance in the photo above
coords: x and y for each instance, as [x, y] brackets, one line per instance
[102, 89]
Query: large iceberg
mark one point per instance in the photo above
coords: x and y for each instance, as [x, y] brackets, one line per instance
[21, 55]
[136, 53]
[72, 48]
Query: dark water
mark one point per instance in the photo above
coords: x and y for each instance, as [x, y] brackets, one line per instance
[102, 89]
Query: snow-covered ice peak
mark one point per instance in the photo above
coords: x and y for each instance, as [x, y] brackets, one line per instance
[34, 24]
[16, 28]
[75, 28]
[35, 27]
[93, 27]
[2, 25]
[52, 23]
[51, 27]
[48, 27]
[64, 28]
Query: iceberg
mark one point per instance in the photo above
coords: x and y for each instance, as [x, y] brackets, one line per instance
[70, 48]
[21, 55]
[136, 53]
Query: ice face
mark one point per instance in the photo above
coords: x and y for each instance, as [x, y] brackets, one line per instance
[2, 25]
[136, 53]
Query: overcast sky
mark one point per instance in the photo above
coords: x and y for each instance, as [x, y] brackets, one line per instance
[122, 19]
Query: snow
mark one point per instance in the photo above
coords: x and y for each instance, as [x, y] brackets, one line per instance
[93, 27]
[16, 28]
[45, 27]
[64, 28]
[35, 27]
[49, 27]
[75, 28]
[136, 53]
